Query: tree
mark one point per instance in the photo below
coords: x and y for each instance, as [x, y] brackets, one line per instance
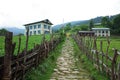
[3, 32]
[84, 27]
[67, 27]
[116, 24]
[106, 22]
[76, 28]
[91, 25]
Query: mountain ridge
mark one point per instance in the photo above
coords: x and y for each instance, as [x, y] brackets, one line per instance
[15, 30]
[97, 19]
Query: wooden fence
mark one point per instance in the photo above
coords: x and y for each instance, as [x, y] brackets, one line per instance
[101, 60]
[14, 67]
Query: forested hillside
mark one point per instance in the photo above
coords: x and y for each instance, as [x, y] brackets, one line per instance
[84, 22]
[112, 22]
[3, 32]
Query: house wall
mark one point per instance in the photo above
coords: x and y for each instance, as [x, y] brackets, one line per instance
[102, 32]
[41, 29]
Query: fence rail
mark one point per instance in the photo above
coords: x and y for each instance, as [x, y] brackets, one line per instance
[14, 67]
[101, 60]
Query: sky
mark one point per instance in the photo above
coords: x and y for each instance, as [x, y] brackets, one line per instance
[16, 13]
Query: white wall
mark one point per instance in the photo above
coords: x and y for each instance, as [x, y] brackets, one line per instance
[42, 30]
[100, 32]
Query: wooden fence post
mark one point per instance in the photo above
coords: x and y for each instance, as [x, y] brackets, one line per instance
[7, 57]
[97, 61]
[26, 46]
[107, 52]
[113, 65]
[95, 48]
[95, 45]
[90, 47]
[119, 71]
[25, 52]
[101, 50]
[19, 44]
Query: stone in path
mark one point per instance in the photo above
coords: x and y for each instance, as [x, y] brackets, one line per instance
[66, 68]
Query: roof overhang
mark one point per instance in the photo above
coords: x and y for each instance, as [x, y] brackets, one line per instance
[43, 21]
[100, 28]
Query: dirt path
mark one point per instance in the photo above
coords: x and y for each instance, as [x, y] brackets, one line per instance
[66, 68]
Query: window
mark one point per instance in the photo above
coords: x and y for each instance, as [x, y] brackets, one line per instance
[39, 32]
[34, 32]
[34, 26]
[30, 27]
[47, 32]
[39, 26]
[48, 27]
[45, 26]
[30, 32]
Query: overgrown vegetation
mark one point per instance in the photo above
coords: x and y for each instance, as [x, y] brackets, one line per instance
[87, 64]
[45, 69]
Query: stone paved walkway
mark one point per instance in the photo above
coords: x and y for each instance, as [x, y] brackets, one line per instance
[66, 68]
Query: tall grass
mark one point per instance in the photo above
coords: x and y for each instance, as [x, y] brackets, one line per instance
[87, 64]
[45, 70]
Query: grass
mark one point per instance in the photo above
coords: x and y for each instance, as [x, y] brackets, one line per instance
[36, 39]
[87, 64]
[45, 70]
[114, 43]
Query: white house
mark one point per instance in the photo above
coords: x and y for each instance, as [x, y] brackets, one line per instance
[40, 27]
[101, 31]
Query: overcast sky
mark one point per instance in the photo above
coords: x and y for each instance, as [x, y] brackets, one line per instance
[19, 12]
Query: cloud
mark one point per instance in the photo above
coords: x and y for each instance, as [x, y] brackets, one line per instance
[19, 12]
